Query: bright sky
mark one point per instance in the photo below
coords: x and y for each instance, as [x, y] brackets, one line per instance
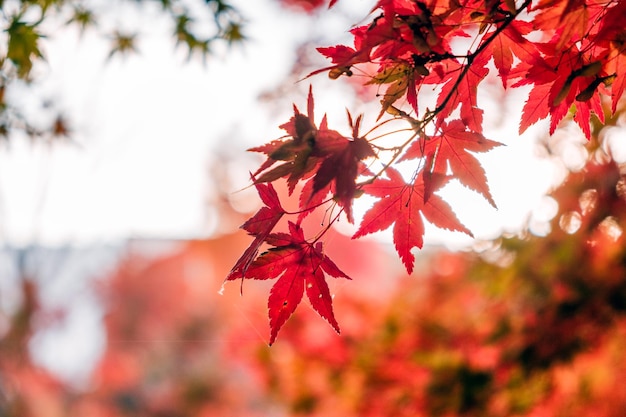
[149, 126]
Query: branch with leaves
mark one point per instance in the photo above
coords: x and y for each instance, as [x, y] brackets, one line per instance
[571, 52]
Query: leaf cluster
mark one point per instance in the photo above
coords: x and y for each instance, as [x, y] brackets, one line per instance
[569, 51]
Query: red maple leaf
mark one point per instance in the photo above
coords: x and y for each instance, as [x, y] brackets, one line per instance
[462, 92]
[451, 149]
[380, 36]
[344, 57]
[572, 19]
[611, 35]
[403, 205]
[296, 149]
[299, 265]
[510, 43]
[616, 65]
[322, 153]
[561, 80]
[260, 225]
[341, 164]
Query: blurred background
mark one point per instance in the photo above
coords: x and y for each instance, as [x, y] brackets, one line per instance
[124, 178]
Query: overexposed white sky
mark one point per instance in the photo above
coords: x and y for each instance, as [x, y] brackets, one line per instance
[147, 128]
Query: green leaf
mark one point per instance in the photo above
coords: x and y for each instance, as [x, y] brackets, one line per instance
[123, 44]
[83, 18]
[23, 46]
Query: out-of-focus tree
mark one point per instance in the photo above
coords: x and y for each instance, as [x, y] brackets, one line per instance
[164, 355]
[169, 338]
[198, 26]
[165, 326]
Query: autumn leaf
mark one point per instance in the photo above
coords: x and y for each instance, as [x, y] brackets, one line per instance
[401, 80]
[366, 40]
[618, 86]
[573, 18]
[340, 166]
[322, 153]
[344, 57]
[560, 82]
[536, 107]
[295, 149]
[612, 32]
[451, 149]
[260, 225]
[299, 266]
[508, 44]
[462, 93]
[403, 205]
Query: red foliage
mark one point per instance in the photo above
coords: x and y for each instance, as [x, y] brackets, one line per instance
[402, 205]
[451, 150]
[297, 264]
[260, 225]
[307, 6]
[568, 51]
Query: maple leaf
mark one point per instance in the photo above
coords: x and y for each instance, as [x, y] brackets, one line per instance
[612, 34]
[402, 80]
[366, 39]
[344, 57]
[323, 153]
[560, 81]
[619, 83]
[571, 19]
[341, 165]
[300, 267]
[339, 54]
[450, 149]
[510, 43]
[403, 205]
[260, 225]
[462, 92]
[536, 107]
[296, 150]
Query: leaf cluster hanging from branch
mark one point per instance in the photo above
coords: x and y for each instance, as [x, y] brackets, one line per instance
[572, 53]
